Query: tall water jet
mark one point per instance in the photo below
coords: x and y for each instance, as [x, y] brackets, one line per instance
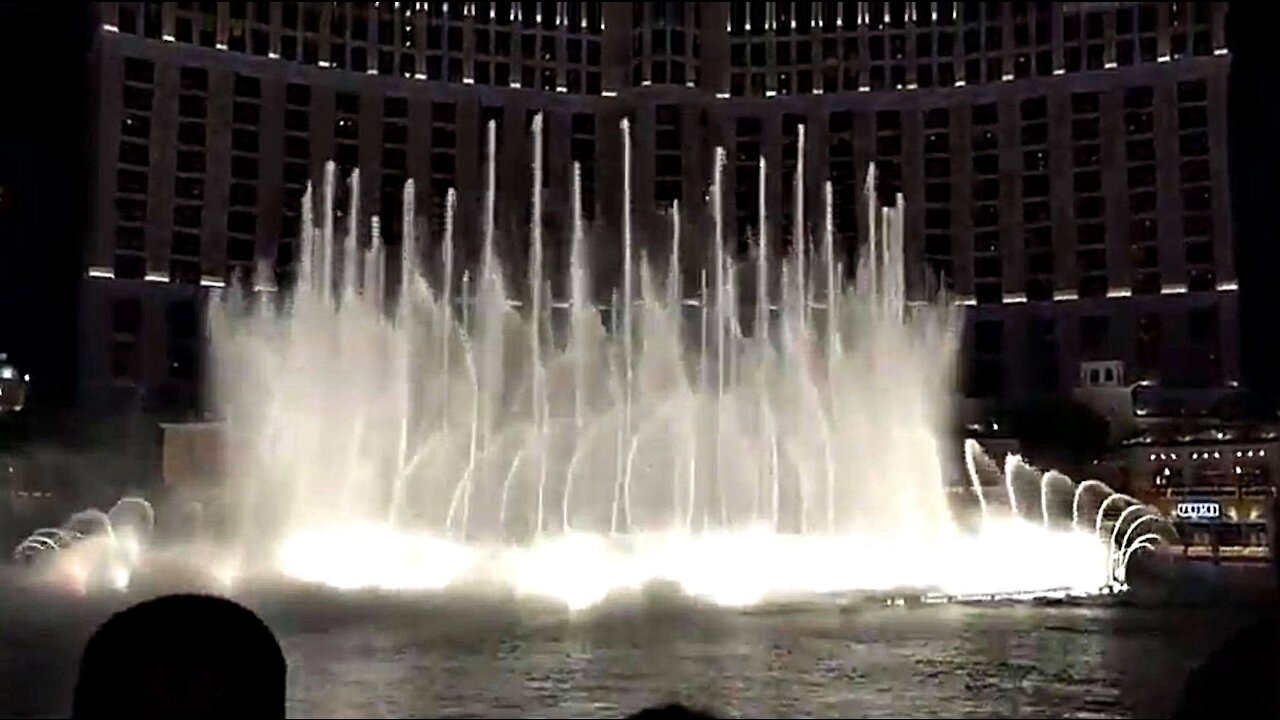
[761, 329]
[799, 235]
[628, 308]
[414, 447]
[537, 381]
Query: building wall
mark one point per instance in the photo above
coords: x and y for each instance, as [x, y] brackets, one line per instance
[1063, 165]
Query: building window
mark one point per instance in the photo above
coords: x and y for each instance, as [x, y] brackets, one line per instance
[1141, 176]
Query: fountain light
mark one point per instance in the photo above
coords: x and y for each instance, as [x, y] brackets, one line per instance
[751, 441]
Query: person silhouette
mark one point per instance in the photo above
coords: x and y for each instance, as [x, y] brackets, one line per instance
[670, 711]
[192, 656]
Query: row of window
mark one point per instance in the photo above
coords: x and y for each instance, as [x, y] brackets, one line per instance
[789, 18]
[988, 262]
[1196, 363]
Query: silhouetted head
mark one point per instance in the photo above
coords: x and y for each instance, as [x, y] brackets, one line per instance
[672, 711]
[182, 656]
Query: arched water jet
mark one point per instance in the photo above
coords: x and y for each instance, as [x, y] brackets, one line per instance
[971, 453]
[1133, 526]
[1046, 481]
[1143, 541]
[1153, 517]
[1075, 500]
[1102, 510]
[1011, 463]
[1115, 531]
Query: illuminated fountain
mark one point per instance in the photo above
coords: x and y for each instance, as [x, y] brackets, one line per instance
[776, 432]
[92, 549]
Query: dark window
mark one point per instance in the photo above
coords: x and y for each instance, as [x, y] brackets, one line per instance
[193, 79]
[192, 106]
[244, 194]
[132, 210]
[191, 161]
[1090, 207]
[131, 181]
[244, 167]
[395, 133]
[244, 140]
[296, 120]
[245, 113]
[129, 237]
[138, 126]
[187, 216]
[134, 153]
[242, 222]
[189, 188]
[248, 86]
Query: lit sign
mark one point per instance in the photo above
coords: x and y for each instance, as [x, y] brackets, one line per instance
[1199, 510]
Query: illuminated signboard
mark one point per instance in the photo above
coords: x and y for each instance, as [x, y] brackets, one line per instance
[1199, 510]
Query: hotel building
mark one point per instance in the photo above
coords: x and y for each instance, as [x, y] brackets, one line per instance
[1063, 164]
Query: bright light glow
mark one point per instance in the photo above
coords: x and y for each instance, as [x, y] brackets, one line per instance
[1122, 292]
[368, 557]
[735, 569]
[102, 272]
[454, 452]
[213, 282]
[276, 56]
[110, 28]
[223, 46]
[1228, 286]
[157, 276]
[1220, 51]
[168, 38]
[1110, 65]
[609, 93]
[1059, 71]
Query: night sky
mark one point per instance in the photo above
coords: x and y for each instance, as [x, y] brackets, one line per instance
[45, 174]
[1254, 127]
[45, 167]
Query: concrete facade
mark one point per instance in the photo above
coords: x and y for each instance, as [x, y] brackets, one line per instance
[1063, 164]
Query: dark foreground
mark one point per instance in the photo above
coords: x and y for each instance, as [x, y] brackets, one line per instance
[368, 655]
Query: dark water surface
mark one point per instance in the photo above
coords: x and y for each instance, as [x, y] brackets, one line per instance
[379, 655]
